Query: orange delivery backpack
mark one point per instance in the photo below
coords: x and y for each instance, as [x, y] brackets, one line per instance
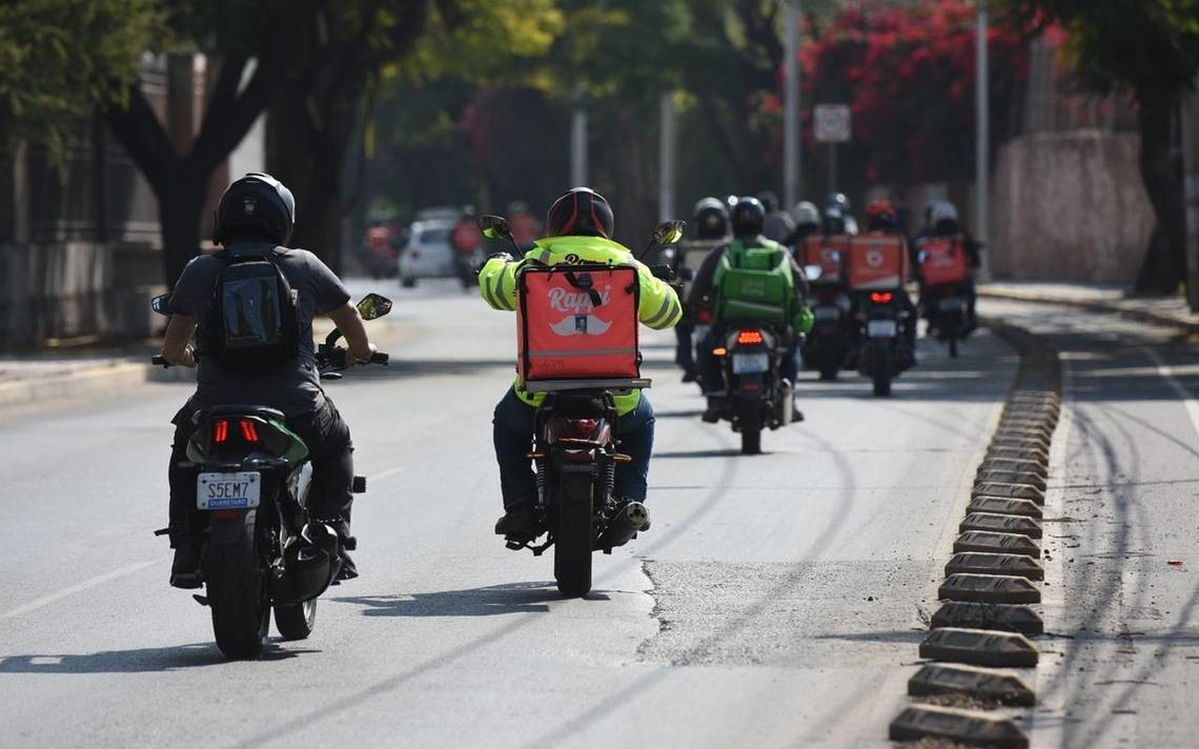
[577, 322]
[943, 260]
[827, 252]
[877, 261]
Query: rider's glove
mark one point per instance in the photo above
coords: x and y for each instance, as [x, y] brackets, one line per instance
[804, 320]
[506, 257]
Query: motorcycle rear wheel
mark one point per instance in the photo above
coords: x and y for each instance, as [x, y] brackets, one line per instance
[880, 370]
[296, 621]
[573, 536]
[241, 615]
[751, 428]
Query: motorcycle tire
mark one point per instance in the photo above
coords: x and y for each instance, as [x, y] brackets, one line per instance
[829, 369]
[573, 535]
[880, 370]
[751, 428]
[296, 621]
[953, 348]
[241, 614]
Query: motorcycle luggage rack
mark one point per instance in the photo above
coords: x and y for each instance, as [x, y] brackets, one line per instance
[617, 384]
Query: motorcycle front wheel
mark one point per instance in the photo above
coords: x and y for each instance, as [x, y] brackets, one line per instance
[573, 536]
[241, 615]
[296, 621]
[880, 370]
[750, 420]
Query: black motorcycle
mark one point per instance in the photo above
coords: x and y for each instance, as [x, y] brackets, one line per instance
[885, 333]
[259, 549]
[947, 310]
[832, 339]
[756, 396]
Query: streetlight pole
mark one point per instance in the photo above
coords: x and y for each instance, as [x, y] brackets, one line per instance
[982, 135]
[667, 137]
[791, 135]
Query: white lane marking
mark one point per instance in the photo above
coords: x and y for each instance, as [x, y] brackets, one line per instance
[384, 474]
[93, 582]
[1167, 374]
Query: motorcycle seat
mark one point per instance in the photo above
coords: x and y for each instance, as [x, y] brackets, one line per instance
[238, 410]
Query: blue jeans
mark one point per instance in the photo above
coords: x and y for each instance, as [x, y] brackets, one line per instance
[513, 435]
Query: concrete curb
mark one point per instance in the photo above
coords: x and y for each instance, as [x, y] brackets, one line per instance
[1103, 308]
[87, 381]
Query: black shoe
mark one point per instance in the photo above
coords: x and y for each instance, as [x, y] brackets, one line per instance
[796, 414]
[711, 414]
[689, 375]
[185, 569]
[348, 570]
[517, 522]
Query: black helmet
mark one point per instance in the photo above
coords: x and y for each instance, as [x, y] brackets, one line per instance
[582, 211]
[748, 217]
[256, 206]
[770, 201]
[834, 220]
[838, 200]
[711, 218]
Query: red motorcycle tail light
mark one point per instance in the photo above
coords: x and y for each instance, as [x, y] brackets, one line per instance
[749, 337]
[881, 297]
[704, 317]
[220, 431]
[249, 431]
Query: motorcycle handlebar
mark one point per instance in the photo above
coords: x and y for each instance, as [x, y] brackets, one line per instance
[159, 360]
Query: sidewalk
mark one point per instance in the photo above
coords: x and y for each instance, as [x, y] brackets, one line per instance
[1168, 311]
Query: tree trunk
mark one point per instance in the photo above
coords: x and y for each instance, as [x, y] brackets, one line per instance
[179, 209]
[1164, 267]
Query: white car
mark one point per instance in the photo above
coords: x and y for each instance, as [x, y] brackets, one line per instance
[428, 253]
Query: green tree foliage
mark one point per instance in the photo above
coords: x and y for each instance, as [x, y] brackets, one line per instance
[59, 59]
[1151, 48]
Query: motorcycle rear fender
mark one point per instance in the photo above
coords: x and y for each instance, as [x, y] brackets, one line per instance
[225, 527]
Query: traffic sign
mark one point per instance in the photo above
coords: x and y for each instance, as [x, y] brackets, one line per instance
[833, 123]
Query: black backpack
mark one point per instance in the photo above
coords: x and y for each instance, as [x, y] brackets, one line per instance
[252, 321]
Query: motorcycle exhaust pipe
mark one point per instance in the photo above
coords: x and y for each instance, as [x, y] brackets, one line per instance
[631, 518]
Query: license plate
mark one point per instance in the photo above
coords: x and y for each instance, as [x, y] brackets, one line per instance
[228, 491]
[827, 313]
[750, 363]
[950, 305]
[880, 328]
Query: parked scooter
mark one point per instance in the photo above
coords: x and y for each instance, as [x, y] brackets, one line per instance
[260, 550]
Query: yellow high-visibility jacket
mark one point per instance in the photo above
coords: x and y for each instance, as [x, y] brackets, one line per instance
[658, 308]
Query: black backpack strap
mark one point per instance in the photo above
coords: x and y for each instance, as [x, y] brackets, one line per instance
[585, 283]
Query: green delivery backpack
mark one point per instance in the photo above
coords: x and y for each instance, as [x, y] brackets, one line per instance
[755, 283]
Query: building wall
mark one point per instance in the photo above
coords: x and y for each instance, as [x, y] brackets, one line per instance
[1069, 207]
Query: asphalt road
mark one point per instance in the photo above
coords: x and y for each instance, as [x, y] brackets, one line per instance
[777, 601]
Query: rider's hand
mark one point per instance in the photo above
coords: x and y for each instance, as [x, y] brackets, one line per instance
[505, 256]
[189, 356]
[361, 357]
[804, 320]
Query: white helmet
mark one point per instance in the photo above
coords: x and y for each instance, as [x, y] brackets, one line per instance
[943, 210]
[805, 213]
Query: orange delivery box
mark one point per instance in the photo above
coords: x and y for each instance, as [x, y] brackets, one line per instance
[877, 261]
[577, 322]
[827, 252]
[943, 260]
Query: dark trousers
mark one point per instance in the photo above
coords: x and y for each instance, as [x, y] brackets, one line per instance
[683, 352]
[329, 449]
[513, 435]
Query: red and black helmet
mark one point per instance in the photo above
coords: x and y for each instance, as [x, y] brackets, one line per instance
[580, 212]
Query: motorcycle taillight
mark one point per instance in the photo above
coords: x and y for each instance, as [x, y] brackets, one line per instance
[881, 297]
[249, 431]
[220, 431]
[580, 429]
[749, 337]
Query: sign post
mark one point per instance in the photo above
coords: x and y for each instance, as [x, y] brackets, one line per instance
[833, 124]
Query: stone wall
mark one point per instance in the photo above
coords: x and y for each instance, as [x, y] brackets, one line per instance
[1069, 207]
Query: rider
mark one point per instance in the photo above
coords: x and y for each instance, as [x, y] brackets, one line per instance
[711, 219]
[778, 224]
[807, 222]
[882, 218]
[942, 221]
[579, 229]
[747, 219]
[255, 218]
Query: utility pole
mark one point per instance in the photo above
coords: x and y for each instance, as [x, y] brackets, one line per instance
[791, 134]
[667, 137]
[578, 146]
[1190, 178]
[982, 135]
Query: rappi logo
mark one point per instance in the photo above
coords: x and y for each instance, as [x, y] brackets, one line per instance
[580, 319]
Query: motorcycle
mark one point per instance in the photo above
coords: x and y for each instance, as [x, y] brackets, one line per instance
[575, 451]
[829, 344]
[884, 326]
[756, 396]
[260, 551]
[946, 307]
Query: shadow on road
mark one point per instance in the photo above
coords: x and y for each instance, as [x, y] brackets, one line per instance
[141, 660]
[510, 598]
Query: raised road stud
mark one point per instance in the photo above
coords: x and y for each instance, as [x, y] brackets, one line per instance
[1024, 467]
[988, 589]
[1020, 438]
[983, 683]
[974, 615]
[983, 563]
[982, 647]
[1004, 506]
[997, 523]
[1008, 489]
[970, 727]
[1039, 427]
[1018, 452]
[997, 543]
[985, 476]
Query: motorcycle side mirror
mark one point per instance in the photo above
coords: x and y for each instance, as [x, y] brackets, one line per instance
[812, 272]
[668, 232]
[494, 227]
[373, 306]
[160, 304]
